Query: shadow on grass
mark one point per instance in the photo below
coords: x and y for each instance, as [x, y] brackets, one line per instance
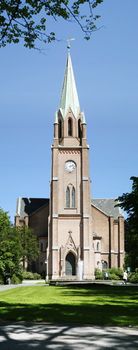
[101, 290]
[112, 290]
[105, 315]
[112, 306]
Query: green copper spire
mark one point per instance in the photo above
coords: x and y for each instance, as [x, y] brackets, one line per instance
[69, 96]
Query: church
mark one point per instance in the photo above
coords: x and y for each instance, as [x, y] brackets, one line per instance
[76, 234]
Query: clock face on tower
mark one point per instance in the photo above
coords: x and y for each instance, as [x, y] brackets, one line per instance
[70, 166]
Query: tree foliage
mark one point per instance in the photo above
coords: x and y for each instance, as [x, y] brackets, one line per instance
[29, 245]
[10, 247]
[129, 202]
[28, 20]
[17, 245]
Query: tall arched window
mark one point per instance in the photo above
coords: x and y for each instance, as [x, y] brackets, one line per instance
[67, 197]
[60, 129]
[69, 127]
[79, 129]
[98, 246]
[73, 197]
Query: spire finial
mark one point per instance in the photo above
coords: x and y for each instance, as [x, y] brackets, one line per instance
[69, 43]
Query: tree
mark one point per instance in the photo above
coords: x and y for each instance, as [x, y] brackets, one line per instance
[10, 248]
[29, 246]
[17, 245]
[129, 203]
[27, 19]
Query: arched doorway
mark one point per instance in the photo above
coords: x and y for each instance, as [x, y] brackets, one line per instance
[70, 264]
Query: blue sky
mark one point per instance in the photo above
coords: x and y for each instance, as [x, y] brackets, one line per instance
[106, 72]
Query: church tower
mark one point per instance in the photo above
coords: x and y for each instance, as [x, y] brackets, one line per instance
[77, 237]
[70, 242]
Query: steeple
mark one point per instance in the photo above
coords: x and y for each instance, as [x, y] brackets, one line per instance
[69, 95]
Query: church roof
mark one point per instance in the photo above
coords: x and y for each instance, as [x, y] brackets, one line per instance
[107, 206]
[69, 95]
[27, 206]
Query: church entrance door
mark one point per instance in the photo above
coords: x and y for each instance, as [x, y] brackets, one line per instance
[70, 264]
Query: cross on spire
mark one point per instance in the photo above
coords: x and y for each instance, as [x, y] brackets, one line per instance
[69, 43]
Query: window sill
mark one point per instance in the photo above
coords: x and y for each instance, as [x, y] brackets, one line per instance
[74, 208]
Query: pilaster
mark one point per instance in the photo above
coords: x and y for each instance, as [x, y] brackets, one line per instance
[121, 240]
[111, 247]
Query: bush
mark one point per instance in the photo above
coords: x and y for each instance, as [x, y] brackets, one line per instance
[98, 274]
[113, 276]
[16, 279]
[118, 272]
[27, 275]
[37, 276]
[133, 277]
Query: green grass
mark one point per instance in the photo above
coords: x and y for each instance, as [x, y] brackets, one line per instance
[96, 305]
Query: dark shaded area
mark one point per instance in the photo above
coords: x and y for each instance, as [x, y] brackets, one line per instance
[105, 315]
[33, 204]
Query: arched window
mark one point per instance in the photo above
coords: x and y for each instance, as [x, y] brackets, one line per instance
[98, 246]
[70, 196]
[67, 197]
[60, 129]
[79, 129]
[104, 264]
[73, 197]
[69, 127]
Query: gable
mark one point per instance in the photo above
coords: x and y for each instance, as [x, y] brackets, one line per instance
[107, 207]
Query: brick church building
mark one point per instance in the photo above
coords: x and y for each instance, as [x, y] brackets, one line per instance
[76, 233]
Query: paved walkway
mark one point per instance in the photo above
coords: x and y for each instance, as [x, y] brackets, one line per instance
[43, 336]
[25, 283]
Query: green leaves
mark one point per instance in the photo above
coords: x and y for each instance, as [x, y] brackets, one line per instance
[27, 20]
[129, 202]
[29, 245]
[96, 2]
[17, 246]
[4, 221]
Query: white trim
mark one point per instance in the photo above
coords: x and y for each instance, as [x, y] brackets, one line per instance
[18, 206]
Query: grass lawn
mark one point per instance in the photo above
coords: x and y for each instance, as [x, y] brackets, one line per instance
[96, 305]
